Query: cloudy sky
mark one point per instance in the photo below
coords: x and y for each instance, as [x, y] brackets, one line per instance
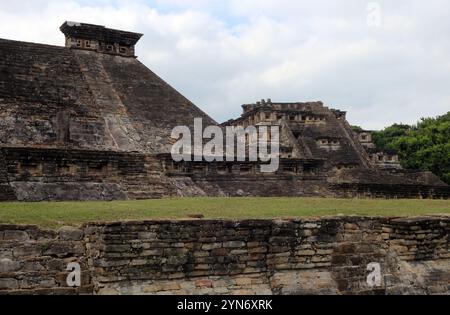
[384, 61]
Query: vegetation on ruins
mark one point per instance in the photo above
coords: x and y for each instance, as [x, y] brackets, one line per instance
[425, 146]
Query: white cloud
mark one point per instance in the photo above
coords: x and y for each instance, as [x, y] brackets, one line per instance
[222, 54]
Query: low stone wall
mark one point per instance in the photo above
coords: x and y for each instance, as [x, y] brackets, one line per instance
[323, 256]
[34, 261]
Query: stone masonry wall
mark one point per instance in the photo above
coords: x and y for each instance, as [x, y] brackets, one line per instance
[34, 261]
[38, 174]
[314, 256]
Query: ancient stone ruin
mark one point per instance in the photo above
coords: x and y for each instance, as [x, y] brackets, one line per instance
[88, 121]
[305, 256]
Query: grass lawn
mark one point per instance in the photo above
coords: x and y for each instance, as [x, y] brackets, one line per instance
[56, 214]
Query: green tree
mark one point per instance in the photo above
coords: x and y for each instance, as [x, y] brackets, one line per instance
[425, 146]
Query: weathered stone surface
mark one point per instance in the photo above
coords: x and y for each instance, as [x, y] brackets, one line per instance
[7, 265]
[15, 235]
[8, 284]
[119, 258]
[69, 233]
